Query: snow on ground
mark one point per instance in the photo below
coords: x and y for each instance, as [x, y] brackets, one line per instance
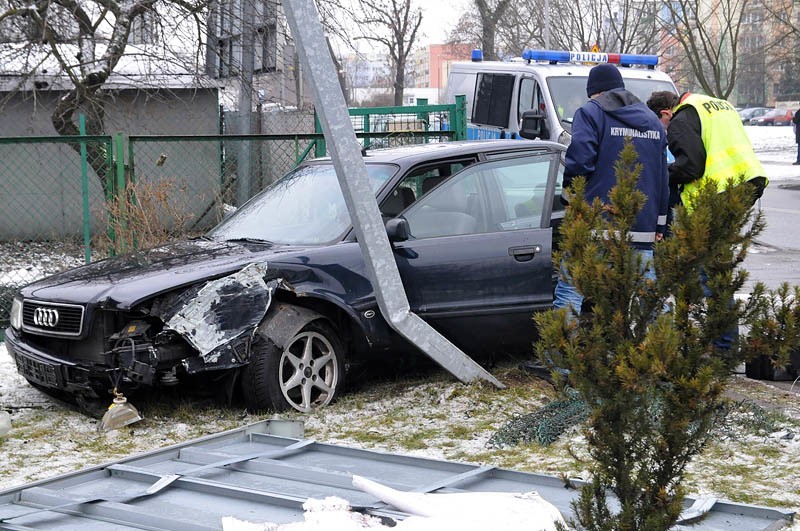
[776, 149]
[438, 419]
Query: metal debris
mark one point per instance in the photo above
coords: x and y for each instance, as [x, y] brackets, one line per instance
[218, 312]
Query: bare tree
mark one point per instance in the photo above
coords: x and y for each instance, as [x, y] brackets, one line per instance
[522, 25]
[630, 26]
[392, 25]
[577, 25]
[708, 37]
[78, 44]
[490, 13]
[624, 26]
[466, 30]
[780, 21]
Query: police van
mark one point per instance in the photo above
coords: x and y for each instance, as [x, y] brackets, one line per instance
[537, 95]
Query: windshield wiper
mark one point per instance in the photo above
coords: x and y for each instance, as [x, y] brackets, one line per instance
[249, 240]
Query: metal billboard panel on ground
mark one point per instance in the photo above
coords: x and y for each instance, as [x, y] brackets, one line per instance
[252, 474]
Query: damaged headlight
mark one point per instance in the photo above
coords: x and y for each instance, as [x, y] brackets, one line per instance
[16, 314]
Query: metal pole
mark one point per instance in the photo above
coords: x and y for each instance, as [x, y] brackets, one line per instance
[546, 24]
[243, 163]
[360, 199]
[87, 237]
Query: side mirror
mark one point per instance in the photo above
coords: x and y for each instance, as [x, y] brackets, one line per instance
[534, 125]
[397, 229]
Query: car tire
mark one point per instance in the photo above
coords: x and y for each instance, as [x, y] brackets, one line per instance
[305, 375]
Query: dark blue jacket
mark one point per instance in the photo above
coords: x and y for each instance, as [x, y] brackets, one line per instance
[599, 129]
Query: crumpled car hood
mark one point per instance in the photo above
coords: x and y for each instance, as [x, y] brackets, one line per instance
[124, 281]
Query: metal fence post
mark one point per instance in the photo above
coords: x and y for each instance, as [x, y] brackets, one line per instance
[424, 116]
[319, 144]
[367, 129]
[87, 237]
[460, 118]
[120, 185]
[131, 171]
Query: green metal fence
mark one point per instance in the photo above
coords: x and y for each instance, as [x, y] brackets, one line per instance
[67, 201]
[395, 126]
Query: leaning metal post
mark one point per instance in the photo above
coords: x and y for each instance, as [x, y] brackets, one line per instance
[360, 199]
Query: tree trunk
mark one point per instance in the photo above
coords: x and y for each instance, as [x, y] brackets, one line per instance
[66, 114]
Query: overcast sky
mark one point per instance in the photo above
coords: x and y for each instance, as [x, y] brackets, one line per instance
[439, 17]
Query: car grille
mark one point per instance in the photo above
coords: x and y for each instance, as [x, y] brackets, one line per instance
[49, 318]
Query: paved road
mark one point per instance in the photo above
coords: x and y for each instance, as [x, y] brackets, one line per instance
[776, 256]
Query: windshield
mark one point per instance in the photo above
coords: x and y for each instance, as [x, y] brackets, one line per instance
[569, 93]
[304, 207]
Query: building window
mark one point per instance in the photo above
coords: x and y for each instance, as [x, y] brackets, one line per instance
[143, 29]
[229, 28]
[227, 55]
[266, 49]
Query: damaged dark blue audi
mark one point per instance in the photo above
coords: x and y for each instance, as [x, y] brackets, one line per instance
[275, 304]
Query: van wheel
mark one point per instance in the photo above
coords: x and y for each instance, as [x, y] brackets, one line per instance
[306, 375]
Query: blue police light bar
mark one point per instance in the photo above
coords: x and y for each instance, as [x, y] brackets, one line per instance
[556, 56]
[477, 55]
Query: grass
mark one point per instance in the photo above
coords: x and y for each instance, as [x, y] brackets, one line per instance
[434, 416]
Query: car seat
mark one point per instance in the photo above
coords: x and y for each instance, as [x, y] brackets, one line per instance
[400, 199]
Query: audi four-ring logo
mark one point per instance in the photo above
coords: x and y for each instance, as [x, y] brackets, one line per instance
[45, 317]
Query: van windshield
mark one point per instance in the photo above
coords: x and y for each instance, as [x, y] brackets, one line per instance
[569, 93]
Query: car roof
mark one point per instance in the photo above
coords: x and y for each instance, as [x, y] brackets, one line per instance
[421, 152]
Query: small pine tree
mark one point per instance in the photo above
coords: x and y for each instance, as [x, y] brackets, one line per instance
[652, 378]
[773, 319]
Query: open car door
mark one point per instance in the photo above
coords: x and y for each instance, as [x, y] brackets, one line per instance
[478, 258]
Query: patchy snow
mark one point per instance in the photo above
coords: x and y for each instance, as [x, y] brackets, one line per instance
[473, 511]
[426, 417]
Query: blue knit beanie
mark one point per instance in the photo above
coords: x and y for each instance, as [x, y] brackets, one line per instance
[602, 78]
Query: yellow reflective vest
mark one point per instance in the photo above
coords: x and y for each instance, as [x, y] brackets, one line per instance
[729, 154]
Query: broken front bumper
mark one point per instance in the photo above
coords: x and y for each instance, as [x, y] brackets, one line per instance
[46, 370]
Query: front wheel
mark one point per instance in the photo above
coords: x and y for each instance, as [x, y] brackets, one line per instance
[306, 375]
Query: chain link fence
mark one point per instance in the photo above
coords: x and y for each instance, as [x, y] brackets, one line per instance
[49, 191]
[68, 201]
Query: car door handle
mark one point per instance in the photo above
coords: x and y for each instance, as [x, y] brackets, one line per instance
[524, 253]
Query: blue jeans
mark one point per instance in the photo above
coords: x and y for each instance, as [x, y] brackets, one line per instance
[729, 338]
[798, 151]
[567, 296]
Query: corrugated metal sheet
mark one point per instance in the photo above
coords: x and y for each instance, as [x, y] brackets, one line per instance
[260, 474]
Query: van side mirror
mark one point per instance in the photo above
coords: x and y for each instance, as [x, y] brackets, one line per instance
[534, 125]
[397, 229]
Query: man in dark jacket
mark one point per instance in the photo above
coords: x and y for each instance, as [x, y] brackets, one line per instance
[796, 123]
[599, 130]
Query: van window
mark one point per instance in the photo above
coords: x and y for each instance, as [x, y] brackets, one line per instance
[569, 93]
[493, 94]
[530, 96]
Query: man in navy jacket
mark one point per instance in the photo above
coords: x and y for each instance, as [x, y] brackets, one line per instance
[599, 130]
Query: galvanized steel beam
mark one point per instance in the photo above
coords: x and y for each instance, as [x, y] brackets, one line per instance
[360, 199]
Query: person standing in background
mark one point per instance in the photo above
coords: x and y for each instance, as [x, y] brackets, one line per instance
[796, 125]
